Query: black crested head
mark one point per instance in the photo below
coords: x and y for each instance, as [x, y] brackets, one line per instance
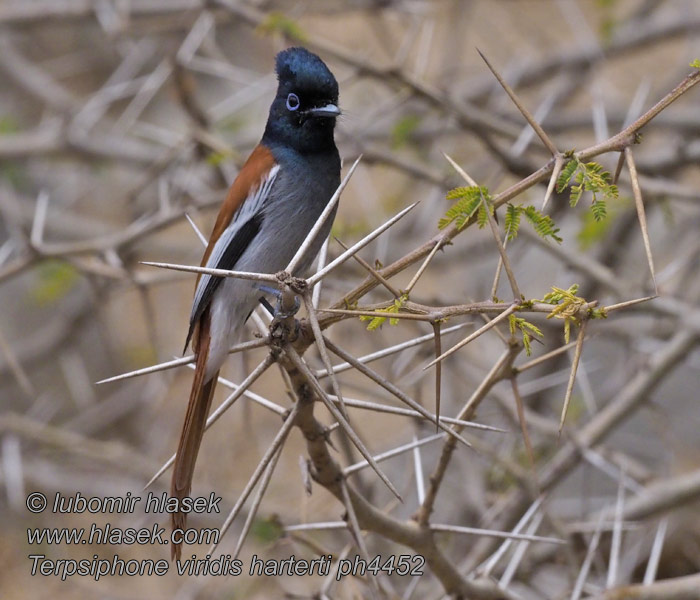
[301, 71]
[303, 113]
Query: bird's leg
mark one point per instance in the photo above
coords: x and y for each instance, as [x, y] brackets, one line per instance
[284, 326]
[282, 310]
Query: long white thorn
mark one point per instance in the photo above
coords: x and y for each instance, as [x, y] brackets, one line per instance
[353, 249]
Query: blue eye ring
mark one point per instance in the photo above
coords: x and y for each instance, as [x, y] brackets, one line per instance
[293, 102]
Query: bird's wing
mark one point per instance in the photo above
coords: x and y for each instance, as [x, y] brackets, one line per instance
[237, 224]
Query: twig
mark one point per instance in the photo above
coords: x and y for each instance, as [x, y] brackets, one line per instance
[616, 541]
[490, 564]
[521, 107]
[572, 374]
[358, 246]
[407, 412]
[523, 424]
[177, 362]
[396, 293]
[474, 335]
[394, 452]
[252, 513]
[556, 170]
[585, 567]
[390, 350]
[354, 527]
[438, 371]
[390, 387]
[655, 554]
[215, 272]
[497, 534]
[321, 345]
[641, 215]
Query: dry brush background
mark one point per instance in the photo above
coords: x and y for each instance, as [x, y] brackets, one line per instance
[118, 119]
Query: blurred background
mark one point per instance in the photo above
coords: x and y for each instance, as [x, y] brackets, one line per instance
[118, 118]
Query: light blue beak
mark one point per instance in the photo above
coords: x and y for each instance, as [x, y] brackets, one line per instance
[330, 110]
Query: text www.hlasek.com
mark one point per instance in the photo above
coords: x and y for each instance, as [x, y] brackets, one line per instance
[97, 567]
[119, 536]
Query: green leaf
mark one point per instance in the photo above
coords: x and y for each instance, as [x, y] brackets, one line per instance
[512, 221]
[377, 322]
[532, 328]
[558, 294]
[482, 216]
[374, 322]
[566, 174]
[567, 307]
[460, 192]
[527, 330]
[543, 224]
[512, 320]
[695, 64]
[468, 202]
[589, 177]
[599, 210]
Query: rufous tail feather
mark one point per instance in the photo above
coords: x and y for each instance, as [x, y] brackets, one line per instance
[192, 429]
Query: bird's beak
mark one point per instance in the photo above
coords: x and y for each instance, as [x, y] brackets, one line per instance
[330, 110]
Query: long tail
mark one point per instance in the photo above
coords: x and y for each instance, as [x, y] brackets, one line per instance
[193, 428]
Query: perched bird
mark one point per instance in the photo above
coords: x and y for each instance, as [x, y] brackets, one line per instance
[272, 205]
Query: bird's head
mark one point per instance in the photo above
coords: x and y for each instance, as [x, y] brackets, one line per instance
[304, 110]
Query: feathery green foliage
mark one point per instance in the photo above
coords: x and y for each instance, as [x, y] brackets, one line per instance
[482, 216]
[512, 221]
[475, 200]
[588, 177]
[527, 330]
[543, 224]
[567, 307]
[566, 174]
[467, 205]
[377, 322]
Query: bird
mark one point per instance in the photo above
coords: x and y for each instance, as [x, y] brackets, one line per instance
[273, 203]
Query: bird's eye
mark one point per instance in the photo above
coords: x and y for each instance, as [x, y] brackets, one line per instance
[293, 101]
